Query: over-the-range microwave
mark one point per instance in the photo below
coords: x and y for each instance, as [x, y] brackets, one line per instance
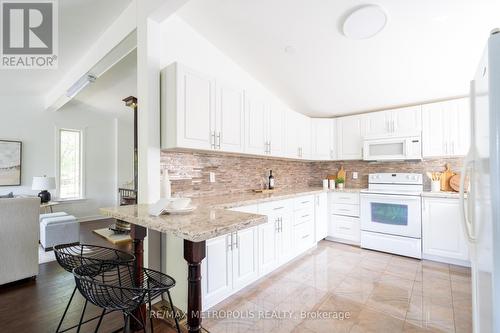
[392, 148]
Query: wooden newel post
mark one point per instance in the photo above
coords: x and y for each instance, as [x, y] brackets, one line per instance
[194, 253]
[138, 233]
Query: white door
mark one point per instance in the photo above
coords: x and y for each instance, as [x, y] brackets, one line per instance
[245, 257]
[349, 137]
[407, 120]
[434, 129]
[217, 270]
[397, 215]
[378, 123]
[322, 141]
[443, 233]
[255, 115]
[276, 130]
[196, 109]
[230, 119]
[268, 256]
[292, 141]
[321, 216]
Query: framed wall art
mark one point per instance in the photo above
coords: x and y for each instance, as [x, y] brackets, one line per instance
[10, 163]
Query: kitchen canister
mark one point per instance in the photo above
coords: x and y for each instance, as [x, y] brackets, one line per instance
[331, 184]
[325, 184]
[435, 186]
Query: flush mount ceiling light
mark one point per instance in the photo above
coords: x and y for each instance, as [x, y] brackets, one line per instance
[365, 22]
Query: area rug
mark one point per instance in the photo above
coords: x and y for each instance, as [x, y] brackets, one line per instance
[44, 257]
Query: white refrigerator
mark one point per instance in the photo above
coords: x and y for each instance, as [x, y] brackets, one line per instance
[481, 211]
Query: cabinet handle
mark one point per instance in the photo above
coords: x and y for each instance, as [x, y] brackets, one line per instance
[305, 236]
[304, 202]
[343, 209]
[278, 208]
[230, 245]
[307, 215]
[277, 224]
[218, 140]
[393, 126]
[345, 228]
[281, 224]
[212, 139]
[237, 240]
[269, 147]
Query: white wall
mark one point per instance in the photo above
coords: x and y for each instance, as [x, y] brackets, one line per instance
[181, 43]
[23, 119]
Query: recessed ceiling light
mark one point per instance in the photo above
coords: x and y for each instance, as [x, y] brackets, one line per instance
[365, 22]
[290, 49]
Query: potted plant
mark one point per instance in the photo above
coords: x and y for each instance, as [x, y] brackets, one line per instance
[340, 183]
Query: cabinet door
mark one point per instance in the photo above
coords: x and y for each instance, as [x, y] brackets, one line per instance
[407, 120]
[268, 256]
[321, 216]
[245, 257]
[460, 128]
[196, 109]
[322, 139]
[285, 234]
[276, 130]
[304, 136]
[345, 228]
[230, 119]
[378, 123]
[255, 115]
[349, 137]
[217, 270]
[434, 129]
[443, 233]
[292, 137]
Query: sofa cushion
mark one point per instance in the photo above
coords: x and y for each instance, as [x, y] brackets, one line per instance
[59, 219]
[50, 215]
[8, 195]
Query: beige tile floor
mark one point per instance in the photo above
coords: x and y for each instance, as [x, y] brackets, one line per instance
[353, 290]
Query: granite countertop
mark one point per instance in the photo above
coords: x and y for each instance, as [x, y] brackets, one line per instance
[212, 216]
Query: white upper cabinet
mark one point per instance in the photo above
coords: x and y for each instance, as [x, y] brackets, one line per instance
[256, 111]
[350, 132]
[394, 122]
[229, 119]
[446, 128]
[292, 139]
[275, 137]
[304, 136]
[188, 108]
[323, 139]
[406, 120]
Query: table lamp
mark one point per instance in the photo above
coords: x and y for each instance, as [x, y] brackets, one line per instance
[43, 184]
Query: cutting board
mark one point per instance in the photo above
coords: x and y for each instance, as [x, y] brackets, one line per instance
[341, 173]
[445, 178]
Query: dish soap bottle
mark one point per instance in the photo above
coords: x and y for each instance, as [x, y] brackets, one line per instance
[271, 180]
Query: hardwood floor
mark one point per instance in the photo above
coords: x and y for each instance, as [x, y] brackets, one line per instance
[37, 305]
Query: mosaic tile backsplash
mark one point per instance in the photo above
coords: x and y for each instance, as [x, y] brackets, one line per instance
[189, 172]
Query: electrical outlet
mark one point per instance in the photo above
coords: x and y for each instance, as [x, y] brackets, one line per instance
[354, 175]
[212, 177]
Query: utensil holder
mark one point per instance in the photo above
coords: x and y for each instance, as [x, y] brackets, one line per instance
[325, 184]
[435, 186]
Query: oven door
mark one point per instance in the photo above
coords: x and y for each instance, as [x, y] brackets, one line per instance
[391, 214]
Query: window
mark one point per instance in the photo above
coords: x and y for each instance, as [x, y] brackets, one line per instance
[70, 164]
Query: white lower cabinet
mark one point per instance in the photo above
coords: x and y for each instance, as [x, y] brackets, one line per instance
[268, 249]
[321, 216]
[344, 222]
[443, 234]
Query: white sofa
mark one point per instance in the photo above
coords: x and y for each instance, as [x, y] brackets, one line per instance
[19, 228]
[58, 228]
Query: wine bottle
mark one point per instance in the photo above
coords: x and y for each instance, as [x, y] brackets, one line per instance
[271, 180]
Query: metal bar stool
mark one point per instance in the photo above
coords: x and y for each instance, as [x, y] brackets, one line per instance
[70, 256]
[118, 288]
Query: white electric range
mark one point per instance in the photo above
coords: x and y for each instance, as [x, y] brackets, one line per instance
[391, 213]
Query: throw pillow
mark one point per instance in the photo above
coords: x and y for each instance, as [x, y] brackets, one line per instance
[8, 195]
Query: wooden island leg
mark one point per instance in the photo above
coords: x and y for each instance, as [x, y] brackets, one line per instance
[194, 253]
[138, 233]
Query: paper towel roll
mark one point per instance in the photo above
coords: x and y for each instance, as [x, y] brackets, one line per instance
[165, 185]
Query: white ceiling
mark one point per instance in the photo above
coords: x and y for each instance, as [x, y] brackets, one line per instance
[108, 91]
[81, 22]
[428, 50]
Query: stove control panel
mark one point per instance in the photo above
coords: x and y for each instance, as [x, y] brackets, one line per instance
[395, 178]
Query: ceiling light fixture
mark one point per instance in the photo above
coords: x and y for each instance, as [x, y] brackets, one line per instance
[365, 22]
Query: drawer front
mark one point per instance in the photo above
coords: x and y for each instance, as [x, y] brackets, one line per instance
[303, 216]
[347, 228]
[276, 208]
[345, 198]
[345, 209]
[303, 236]
[305, 202]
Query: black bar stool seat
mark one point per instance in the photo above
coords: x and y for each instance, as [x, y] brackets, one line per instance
[119, 288]
[70, 256]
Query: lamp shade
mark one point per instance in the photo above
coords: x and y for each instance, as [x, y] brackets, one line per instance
[43, 183]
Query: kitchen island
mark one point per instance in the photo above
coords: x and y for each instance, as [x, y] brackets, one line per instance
[194, 229]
